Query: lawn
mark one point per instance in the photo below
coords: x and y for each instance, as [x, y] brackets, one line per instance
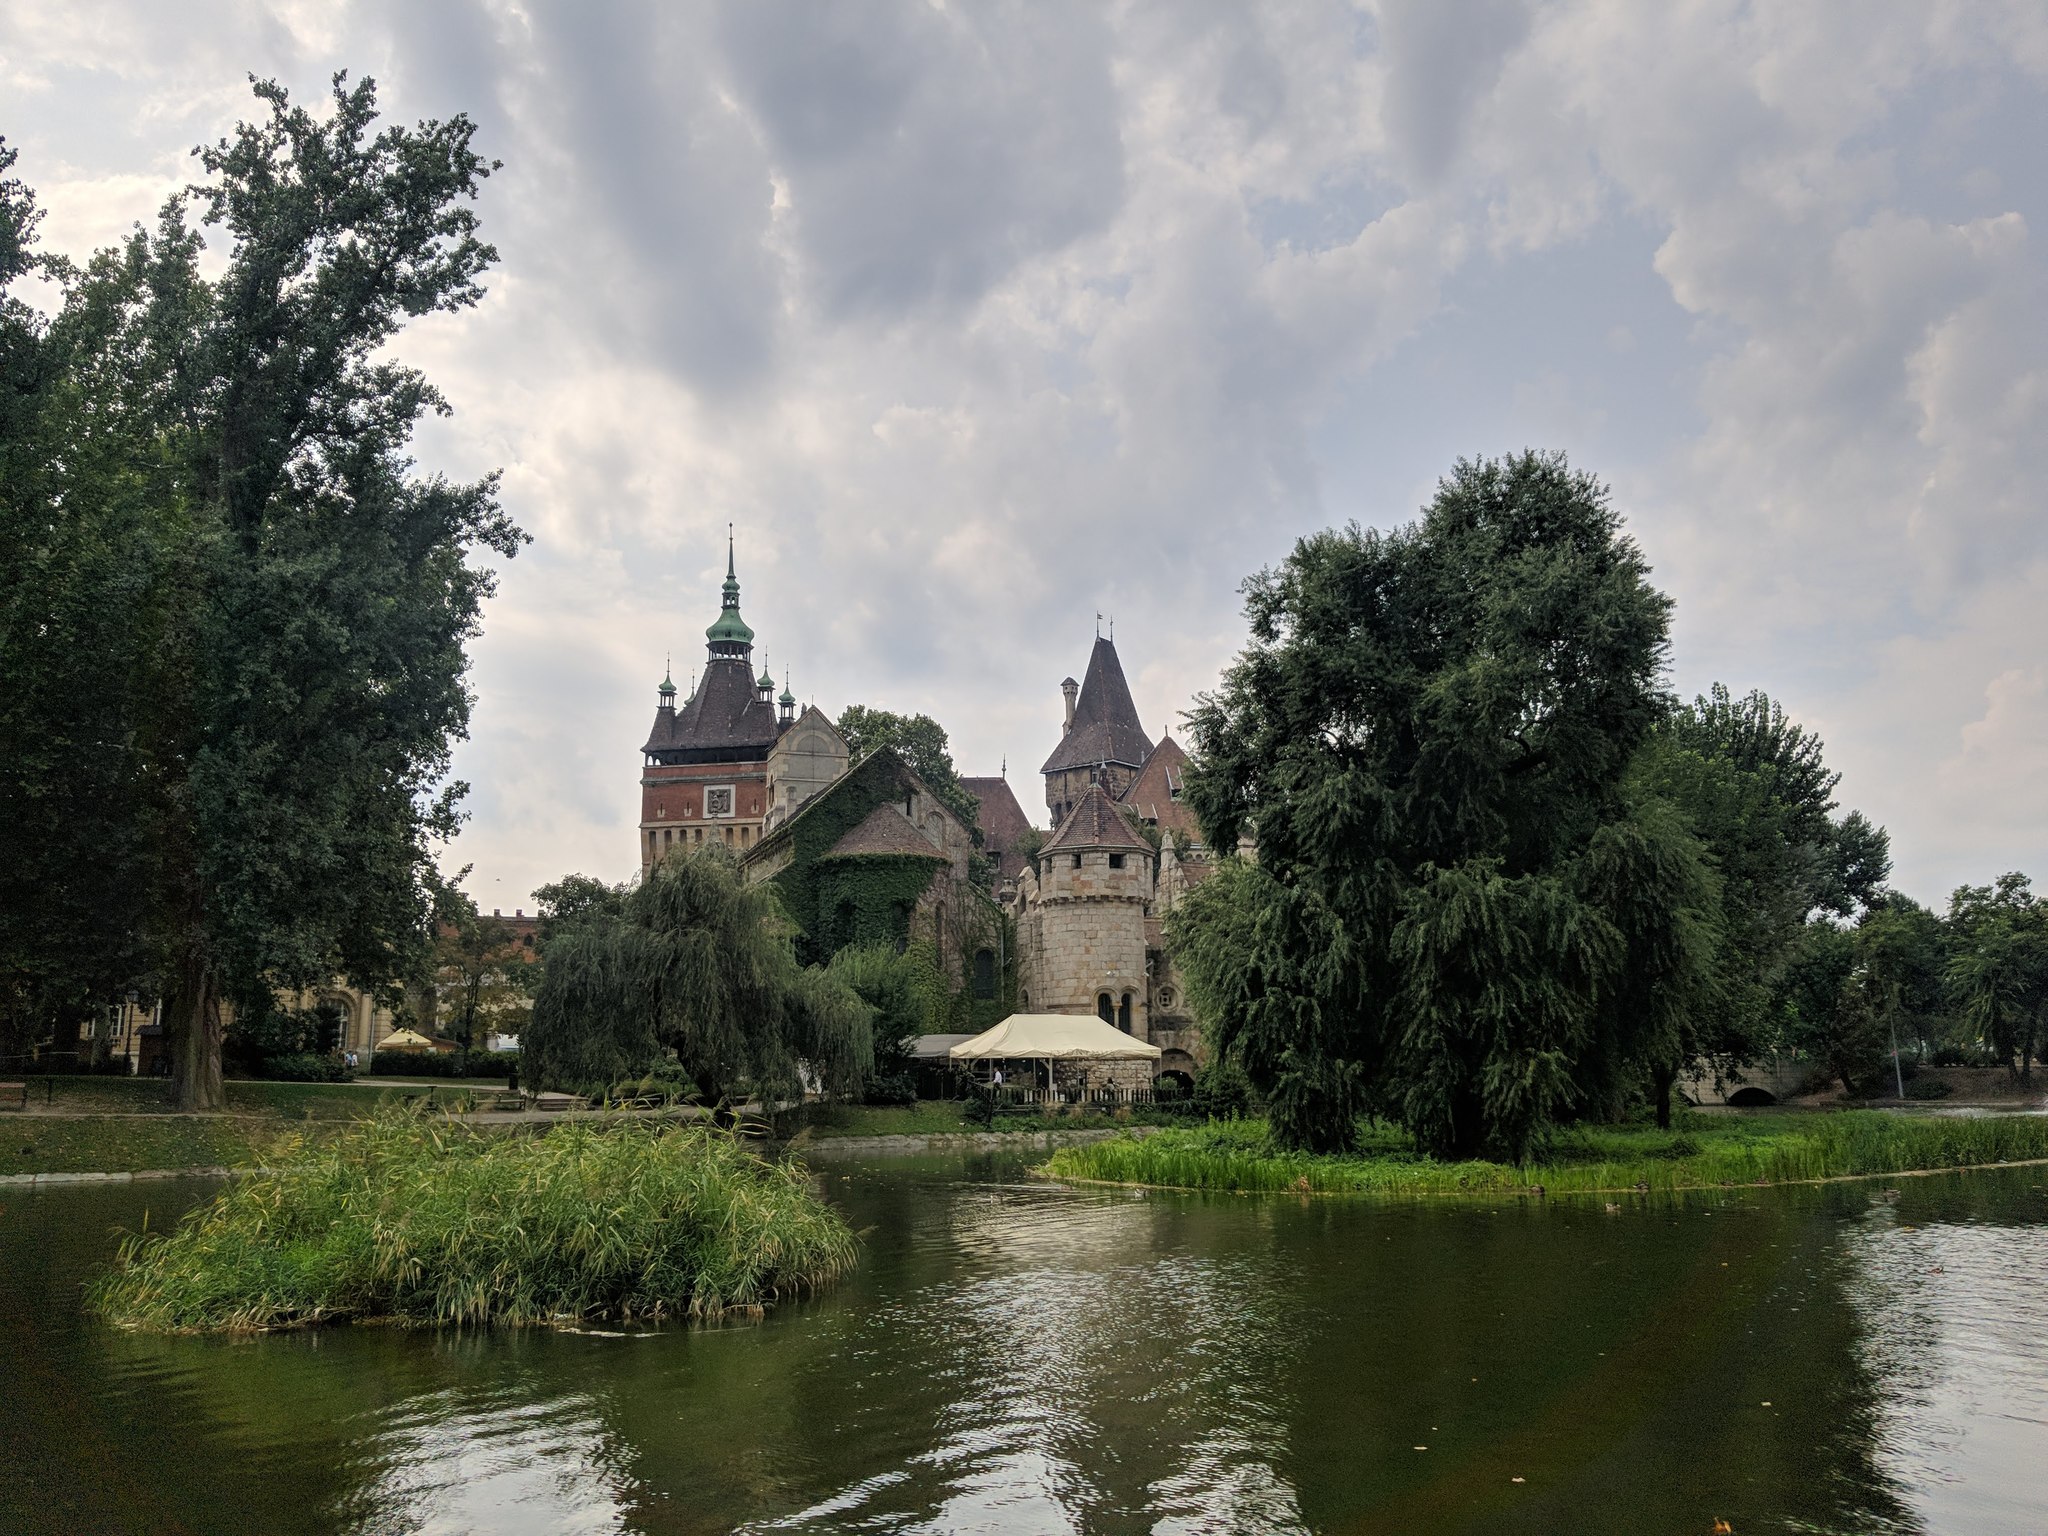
[1702, 1152]
[290, 1101]
[127, 1143]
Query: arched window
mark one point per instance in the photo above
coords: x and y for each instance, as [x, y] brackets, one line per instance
[984, 973]
[1105, 1007]
[1123, 1014]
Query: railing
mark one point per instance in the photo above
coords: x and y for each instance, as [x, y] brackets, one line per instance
[1014, 1099]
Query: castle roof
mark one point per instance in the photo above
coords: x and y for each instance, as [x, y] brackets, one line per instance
[885, 831]
[1155, 793]
[1002, 822]
[1096, 823]
[1106, 728]
[725, 720]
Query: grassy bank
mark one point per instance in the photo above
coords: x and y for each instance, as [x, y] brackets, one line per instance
[423, 1221]
[1703, 1153]
[927, 1117]
[278, 1101]
[125, 1143]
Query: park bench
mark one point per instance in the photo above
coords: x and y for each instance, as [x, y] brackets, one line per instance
[17, 1092]
[557, 1101]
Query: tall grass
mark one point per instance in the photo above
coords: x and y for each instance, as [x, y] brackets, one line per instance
[1778, 1149]
[422, 1221]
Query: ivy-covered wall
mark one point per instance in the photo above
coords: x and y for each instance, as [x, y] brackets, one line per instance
[868, 899]
[890, 899]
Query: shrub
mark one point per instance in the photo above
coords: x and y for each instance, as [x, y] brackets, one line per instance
[422, 1221]
[304, 1067]
[1928, 1088]
[979, 1108]
[896, 1088]
[444, 1063]
[1222, 1091]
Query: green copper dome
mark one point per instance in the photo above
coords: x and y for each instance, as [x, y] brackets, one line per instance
[668, 688]
[730, 627]
[788, 699]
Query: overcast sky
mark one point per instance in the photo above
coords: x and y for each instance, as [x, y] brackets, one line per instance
[977, 320]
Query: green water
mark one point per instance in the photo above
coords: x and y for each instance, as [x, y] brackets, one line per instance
[1018, 1357]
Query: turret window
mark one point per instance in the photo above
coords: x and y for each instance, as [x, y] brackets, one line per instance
[1077, 861]
[1116, 861]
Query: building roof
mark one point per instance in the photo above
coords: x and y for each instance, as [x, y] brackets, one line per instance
[1155, 793]
[1058, 1036]
[1002, 822]
[1096, 823]
[884, 830]
[1106, 728]
[725, 720]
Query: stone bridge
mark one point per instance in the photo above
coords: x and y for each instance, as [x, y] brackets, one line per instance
[1768, 1082]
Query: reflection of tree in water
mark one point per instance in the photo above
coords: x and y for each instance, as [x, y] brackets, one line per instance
[1944, 1278]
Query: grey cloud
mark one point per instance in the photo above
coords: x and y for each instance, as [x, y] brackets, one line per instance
[654, 195]
[929, 150]
[1440, 60]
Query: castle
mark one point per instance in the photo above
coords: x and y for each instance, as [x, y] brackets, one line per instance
[866, 852]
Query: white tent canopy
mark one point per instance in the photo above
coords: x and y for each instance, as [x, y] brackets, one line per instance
[1053, 1037]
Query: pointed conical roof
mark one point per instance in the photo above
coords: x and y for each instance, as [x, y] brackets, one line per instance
[1095, 823]
[1106, 728]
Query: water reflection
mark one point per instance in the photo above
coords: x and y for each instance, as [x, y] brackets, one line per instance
[1954, 1313]
[1014, 1357]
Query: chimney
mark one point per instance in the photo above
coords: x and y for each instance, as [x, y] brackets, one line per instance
[1069, 688]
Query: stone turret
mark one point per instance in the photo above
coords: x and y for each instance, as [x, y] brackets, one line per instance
[1084, 916]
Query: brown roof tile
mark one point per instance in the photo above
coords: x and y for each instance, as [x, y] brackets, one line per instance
[884, 831]
[1154, 793]
[1096, 823]
[1002, 821]
[1106, 728]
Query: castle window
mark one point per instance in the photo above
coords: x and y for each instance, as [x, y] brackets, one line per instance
[1077, 861]
[984, 973]
[1123, 1014]
[1116, 861]
[1105, 1007]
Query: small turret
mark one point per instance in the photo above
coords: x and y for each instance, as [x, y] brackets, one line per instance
[1071, 690]
[764, 686]
[666, 692]
[787, 702]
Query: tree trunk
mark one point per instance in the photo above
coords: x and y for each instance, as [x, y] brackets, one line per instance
[1661, 1079]
[192, 1021]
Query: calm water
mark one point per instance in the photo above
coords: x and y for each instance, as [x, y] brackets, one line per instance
[1015, 1357]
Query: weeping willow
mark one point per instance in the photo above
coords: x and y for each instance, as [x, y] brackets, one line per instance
[695, 961]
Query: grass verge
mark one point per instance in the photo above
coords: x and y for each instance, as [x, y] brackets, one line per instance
[1703, 1153]
[285, 1101]
[124, 1143]
[425, 1221]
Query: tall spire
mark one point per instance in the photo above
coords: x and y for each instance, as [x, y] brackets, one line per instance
[729, 635]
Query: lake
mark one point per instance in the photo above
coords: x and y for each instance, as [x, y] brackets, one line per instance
[1014, 1356]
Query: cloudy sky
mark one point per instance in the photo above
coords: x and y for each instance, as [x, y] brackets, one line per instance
[978, 320]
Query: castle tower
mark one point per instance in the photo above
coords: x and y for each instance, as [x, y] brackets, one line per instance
[704, 769]
[1084, 951]
[1103, 742]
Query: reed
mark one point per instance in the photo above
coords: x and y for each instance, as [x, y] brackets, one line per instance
[1703, 1154]
[423, 1221]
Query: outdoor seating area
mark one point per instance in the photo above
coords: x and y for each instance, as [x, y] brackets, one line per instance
[1032, 1063]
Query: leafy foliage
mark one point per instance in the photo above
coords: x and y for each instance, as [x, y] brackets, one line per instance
[1999, 971]
[232, 455]
[1429, 733]
[696, 962]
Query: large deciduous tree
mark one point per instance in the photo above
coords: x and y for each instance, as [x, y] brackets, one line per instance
[696, 962]
[1429, 736]
[1998, 968]
[281, 731]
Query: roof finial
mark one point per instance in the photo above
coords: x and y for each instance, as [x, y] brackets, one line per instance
[1098, 624]
[728, 553]
[1112, 629]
